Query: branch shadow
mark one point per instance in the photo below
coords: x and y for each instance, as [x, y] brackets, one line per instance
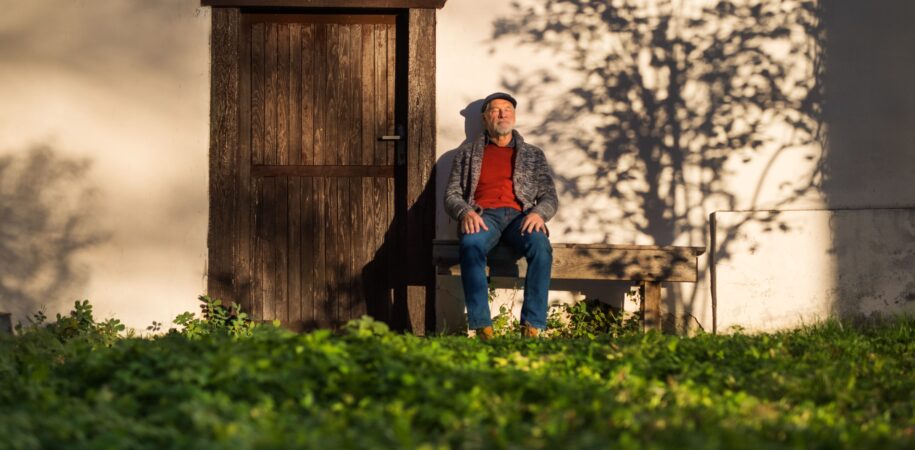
[47, 220]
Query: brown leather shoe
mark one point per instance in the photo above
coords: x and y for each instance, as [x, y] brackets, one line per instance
[529, 331]
[485, 333]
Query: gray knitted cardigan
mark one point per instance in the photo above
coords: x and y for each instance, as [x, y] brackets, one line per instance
[532, 179]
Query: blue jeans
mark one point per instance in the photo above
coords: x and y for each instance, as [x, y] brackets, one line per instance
[505, 225]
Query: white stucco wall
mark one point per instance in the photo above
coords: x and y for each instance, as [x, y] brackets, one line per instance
[123, 86]
[871, 112]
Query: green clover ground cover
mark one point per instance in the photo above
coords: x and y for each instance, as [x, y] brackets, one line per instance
[827, 386]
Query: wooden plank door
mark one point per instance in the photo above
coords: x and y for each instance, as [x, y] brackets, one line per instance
[319, 91]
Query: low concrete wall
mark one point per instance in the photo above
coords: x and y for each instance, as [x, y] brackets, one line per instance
[785, 272]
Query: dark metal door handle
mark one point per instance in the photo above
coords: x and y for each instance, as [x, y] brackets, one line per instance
[400, 147]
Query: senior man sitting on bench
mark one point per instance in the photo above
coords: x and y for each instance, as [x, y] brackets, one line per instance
[501, 189]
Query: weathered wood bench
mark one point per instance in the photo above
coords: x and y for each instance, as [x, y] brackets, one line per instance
[646, 264]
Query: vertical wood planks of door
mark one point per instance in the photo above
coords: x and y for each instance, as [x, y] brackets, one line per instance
[308, 255]
[295, 193]
[244, 209]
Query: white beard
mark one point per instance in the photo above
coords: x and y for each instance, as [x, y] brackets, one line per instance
[502, 130]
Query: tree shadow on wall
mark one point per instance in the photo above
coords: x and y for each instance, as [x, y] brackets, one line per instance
[668, 100]
[46, 221]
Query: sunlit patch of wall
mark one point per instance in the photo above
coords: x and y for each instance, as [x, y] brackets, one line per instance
[124, 86]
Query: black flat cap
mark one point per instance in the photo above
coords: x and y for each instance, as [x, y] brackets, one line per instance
[499, 95]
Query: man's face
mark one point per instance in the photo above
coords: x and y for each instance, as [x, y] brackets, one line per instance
[499, 117]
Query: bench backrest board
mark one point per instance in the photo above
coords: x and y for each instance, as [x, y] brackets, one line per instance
[587, 262]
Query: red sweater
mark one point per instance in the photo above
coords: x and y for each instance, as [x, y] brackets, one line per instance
[495, 189]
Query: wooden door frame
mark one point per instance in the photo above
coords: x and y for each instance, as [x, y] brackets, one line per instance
[352, 4]
[229, 277]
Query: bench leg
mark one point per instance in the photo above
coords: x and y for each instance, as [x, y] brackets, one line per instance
[651, 305]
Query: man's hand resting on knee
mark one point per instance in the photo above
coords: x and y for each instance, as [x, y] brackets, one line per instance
[472, 222]
[533, 222]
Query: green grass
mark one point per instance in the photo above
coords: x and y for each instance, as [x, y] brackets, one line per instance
[825, 386]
